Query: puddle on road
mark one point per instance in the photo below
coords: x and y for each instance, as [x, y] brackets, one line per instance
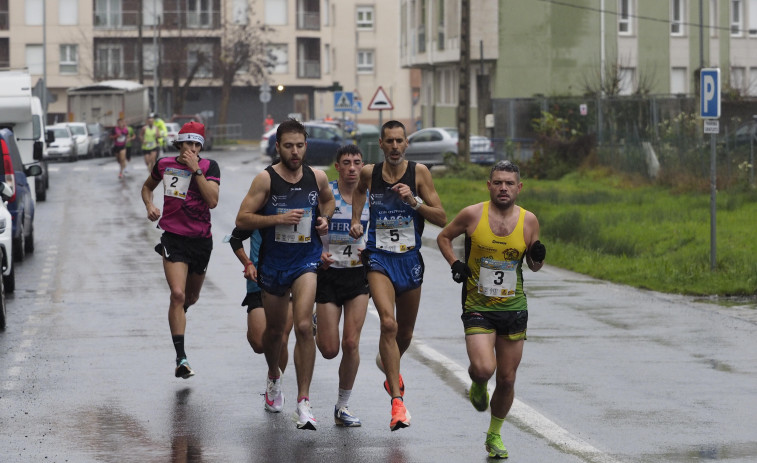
[743, 451]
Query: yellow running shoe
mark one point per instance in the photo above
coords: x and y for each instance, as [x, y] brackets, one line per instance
[494, 446]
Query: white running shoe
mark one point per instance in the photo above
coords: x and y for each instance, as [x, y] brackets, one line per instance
[303, 415]
[343, 417]
[274, 396]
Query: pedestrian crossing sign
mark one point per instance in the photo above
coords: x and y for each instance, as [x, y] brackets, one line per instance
[343, 101]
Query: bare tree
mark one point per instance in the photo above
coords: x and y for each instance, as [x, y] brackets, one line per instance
[242, 57]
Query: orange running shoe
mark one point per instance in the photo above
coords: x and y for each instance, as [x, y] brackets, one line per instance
[402, 387]
[400, 415]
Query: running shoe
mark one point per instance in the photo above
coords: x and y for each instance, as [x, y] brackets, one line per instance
[343, 417]
[402, 387]
[303, 415]
[400, 415]
[479, 396]
[494, 446]
[120, 175]
[274, 396]
[183, 370]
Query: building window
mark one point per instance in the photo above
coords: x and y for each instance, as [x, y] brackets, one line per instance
[627, 78]
[110, 60]
[199, 13]
[108, 13]
[69, 59]
[678, 81]
[440, 26]
[752, 15]
[31, 13]
[365, 17]
[676, 17]
[326, 59]
[737, 15]
[276, 12]
[239, 12]
[752, 90]
[625, 13]
[448, 86]
[326, 13]
[201, 53]
[34, 59]
[152, 12]
[68, 12]
[365, 61]
[713, 18]
[422, 27]
[278, 58]
[149, 58]
[738, 78]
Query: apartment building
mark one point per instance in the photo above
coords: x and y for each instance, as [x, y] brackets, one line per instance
[527, 48]
[311, 45]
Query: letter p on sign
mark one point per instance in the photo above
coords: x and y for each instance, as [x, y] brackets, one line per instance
[709, 106]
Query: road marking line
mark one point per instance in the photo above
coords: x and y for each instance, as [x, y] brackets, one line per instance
[520, 414]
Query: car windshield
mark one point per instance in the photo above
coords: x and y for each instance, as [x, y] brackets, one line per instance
[92, 128]
[78, 130]
[452, 132]
[61, 133]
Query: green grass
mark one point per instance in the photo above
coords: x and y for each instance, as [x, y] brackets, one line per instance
[644, 236]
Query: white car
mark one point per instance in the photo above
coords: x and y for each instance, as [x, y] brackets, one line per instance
[8, 282]
[265, 137]
[83, 140]
[172, 133]
[64, 144]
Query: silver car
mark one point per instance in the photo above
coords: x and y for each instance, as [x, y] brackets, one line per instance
[64, 145]
[83, 140]
[429, 146]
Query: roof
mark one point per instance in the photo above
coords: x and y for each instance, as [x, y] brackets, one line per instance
[109, 85]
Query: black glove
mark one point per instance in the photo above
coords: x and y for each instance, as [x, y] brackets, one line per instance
[460, 271]
[537, 252]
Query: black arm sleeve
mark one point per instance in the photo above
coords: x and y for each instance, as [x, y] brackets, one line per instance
[238, 236]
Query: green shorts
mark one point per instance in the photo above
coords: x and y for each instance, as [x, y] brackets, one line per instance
[510, 324]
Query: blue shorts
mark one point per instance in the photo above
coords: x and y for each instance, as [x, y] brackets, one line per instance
[405, 271]
[278, 282]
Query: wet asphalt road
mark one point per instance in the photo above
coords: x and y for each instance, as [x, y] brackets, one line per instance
[609, 374]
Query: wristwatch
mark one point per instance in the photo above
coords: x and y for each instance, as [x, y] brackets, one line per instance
[418, 203]
[198, 172]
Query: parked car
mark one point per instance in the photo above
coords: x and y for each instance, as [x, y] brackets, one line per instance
[172, 129]
[323, 141]
[83, 140]
[182, 119]
[745, 134]
[61, 143]
[100, 139]
[265, 139]
[429, 146]
[8, 281]
[21, 203]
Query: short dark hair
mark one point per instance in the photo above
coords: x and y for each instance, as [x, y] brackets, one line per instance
[393, 125]
[290, 126]
[347, 149]
[504, 166]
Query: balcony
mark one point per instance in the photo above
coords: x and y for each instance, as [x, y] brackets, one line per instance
[308, 15]
[170, 19]
[308, 58]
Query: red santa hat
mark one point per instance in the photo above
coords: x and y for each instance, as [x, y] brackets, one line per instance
[192, 131]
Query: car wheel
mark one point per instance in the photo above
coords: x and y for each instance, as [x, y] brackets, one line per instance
[42, 193]
[73, 157]
[19, 247]
[2, 306]
[9, 281]
[29, 242]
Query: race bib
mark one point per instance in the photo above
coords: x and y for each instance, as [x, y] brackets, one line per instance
[497, 278]
[344, 250]
[395, 235]
[298, 233]
[176, 182]
[121, 139]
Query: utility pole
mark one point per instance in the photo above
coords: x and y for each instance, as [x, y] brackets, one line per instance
[463, 97]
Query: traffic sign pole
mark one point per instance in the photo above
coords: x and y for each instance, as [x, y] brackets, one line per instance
[709, 108]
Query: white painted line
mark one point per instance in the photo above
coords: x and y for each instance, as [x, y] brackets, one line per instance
[525, 415]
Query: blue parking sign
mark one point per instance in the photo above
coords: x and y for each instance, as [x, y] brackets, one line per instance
[709, 98]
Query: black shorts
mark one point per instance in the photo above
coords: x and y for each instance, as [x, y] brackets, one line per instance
[195, 252]
[117, 149]
[146, 152]
[253, 300]
[511, 324]
[338, 285]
